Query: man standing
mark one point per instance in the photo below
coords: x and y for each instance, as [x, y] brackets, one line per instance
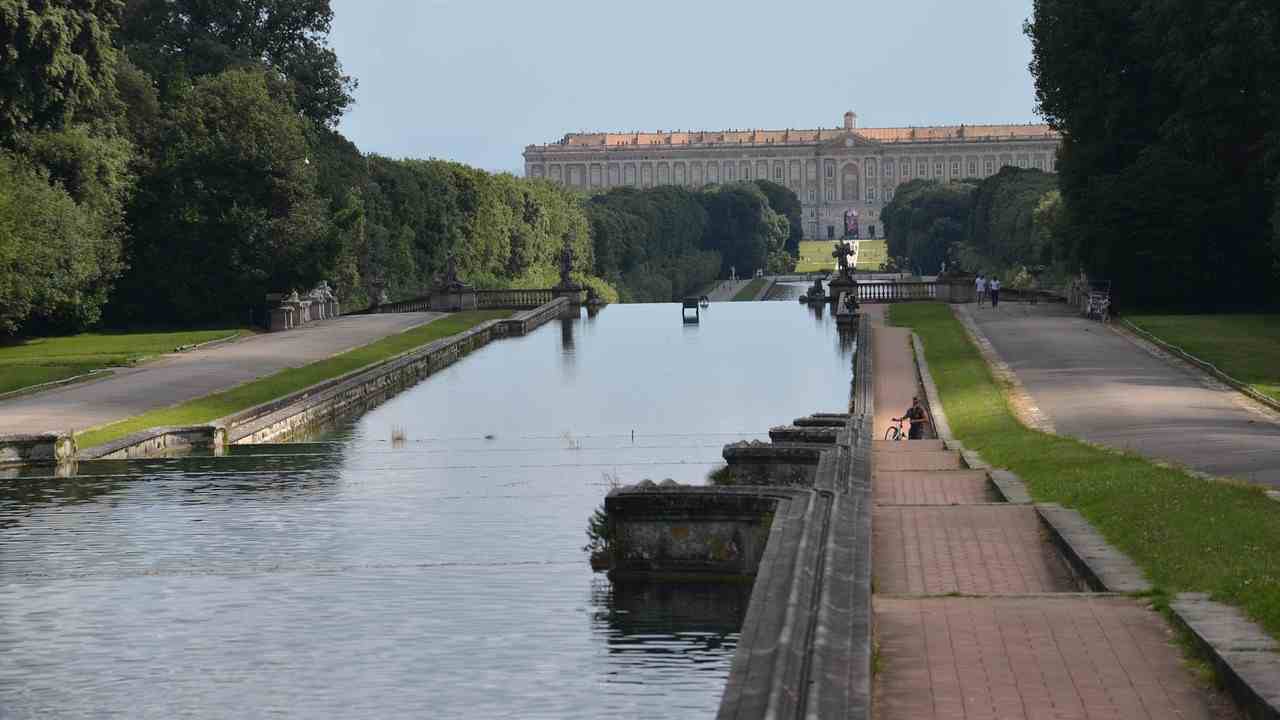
[980, 284]
[918, 416]
[995, 292]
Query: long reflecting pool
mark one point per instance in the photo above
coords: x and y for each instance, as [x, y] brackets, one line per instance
[356, 575]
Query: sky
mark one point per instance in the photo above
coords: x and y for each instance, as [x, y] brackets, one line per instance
[478, 80]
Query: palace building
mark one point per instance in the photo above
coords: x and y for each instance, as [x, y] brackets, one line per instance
[832, 171]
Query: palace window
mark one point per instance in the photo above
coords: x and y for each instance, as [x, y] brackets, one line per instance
[831, 170]
[812, 195]
[989, 166]
[1039, 163]
[777, 173]
[831, 194]
[871, 194]
[973, 168]
[937, 168]
[871, 169]
[922, 169]
[955, 168]
[888, 168]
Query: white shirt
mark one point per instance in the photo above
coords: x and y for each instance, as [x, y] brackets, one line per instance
[995, 284]
[981, 283]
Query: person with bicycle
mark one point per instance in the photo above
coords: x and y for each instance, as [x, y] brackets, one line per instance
[918, 416]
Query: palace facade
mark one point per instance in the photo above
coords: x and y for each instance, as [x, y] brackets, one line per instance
[832, 171]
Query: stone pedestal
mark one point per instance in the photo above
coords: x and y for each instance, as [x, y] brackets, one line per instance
[576, 295]
[453, 300]
[281, 318]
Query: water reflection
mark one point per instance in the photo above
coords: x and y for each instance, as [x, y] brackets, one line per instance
[345, 577]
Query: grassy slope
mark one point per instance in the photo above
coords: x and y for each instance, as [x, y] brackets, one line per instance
[815, 256]
[1246, 347]
[40, 360]
[872, 254]
[241, 397]
[750, 290]
[1187, 534]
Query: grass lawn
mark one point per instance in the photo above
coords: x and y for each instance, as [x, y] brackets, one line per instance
[1187, 534]
[1246, 347]
[242, 397]
[750, 290]
[815, 256]
[872, 254]
[39, 360]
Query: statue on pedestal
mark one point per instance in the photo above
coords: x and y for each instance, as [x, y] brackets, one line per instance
[449, 281]
[842, 253]
[566, 267]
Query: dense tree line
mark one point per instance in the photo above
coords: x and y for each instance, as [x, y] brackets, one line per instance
[172, 161]
[1170, 164]
[664, 243]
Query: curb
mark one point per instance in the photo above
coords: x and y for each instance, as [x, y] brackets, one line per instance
[1093, 559]
[1203, 365]
[209, 343]
[1023, 406]
[1242, 653]
[941, 426]
[91, 376]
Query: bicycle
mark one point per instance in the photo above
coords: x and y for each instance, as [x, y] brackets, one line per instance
[894, 432]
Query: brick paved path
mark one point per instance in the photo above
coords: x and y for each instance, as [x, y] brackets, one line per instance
[1023, 643]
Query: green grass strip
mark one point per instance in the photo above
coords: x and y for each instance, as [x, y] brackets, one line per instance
[750, 290]
[1246, 347]
[1187, 534]
[277, 385]
[33, 361]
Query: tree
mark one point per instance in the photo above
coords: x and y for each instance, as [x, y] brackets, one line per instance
[56, 258]
[230, 211]
[1170, 114]
[784, 202]
[57, 57]
[173, 39]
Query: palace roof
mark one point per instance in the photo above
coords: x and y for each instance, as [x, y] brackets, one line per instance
[942, 133]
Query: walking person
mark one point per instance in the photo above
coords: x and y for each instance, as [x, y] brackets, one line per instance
[980, 284]
[995, 292]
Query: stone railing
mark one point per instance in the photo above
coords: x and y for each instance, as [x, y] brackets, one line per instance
[468, 299]
[512, 299]
[897, 291]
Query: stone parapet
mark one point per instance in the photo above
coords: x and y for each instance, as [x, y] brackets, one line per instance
[36, 448]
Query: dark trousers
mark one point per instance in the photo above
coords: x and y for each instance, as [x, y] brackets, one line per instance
[995, 298]
[916, 432]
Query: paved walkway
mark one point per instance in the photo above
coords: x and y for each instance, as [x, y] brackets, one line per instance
[977, 616]
[1100, 385]
[183, 376]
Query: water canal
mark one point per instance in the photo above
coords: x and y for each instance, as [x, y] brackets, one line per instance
[442, 576]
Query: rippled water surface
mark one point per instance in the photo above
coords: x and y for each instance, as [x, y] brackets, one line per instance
[354, 577]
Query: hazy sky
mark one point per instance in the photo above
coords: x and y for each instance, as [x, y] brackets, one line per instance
[477, 80]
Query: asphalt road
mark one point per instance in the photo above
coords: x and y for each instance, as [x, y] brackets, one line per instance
[183, 376]
[1100, 385]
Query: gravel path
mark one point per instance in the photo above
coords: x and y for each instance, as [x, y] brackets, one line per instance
[1096, 383]
[179, 377]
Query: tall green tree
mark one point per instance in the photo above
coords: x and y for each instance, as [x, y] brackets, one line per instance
[229, 211]
[1170, 116]
[173, 39]
[785, 202]
[56, 57]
